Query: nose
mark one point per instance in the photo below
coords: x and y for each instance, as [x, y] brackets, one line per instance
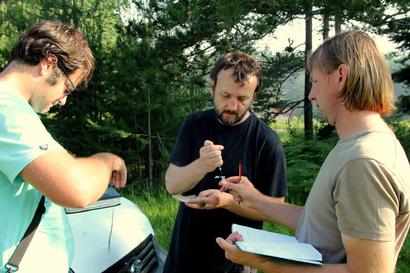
[232, 104]
[311, 94]
[62, 101]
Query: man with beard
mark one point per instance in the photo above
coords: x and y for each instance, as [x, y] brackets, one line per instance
[211, 144]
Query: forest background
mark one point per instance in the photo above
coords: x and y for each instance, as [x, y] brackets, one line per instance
[153, 63]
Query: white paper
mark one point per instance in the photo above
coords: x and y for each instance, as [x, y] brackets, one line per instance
[276, 245]
[183, 198]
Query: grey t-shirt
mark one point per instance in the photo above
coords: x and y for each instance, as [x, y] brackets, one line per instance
[362, 190]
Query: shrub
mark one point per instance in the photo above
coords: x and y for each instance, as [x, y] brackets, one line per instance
[402, 131]
[304, 159]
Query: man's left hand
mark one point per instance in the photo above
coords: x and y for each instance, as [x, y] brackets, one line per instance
[210, 199]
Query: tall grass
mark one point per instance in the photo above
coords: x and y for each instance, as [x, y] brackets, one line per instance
[159, 207]
[304, 160]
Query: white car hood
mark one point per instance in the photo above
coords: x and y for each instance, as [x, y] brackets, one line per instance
[103, 236]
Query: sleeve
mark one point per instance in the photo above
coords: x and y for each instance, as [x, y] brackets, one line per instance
[183, 152]
[23, 138]
[365, 201]
[272, 167]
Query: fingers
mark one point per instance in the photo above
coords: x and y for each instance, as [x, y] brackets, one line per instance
[211, 155]
[210, 146]
[237, 190]
[228, 246]
[208, 143]
[119, 173]
[118, 179]
[229, 184]
[204, 202]
[234, 254]
[234, 237]
[224, 244]
[208, 192]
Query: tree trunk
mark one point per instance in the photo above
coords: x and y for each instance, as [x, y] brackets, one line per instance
[325, 33]
[308, 114]
[150, 177]
[326, 131]
[338, 24]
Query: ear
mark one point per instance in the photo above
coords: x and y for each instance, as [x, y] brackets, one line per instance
[343, 71]
[48, 63]
[212, 88]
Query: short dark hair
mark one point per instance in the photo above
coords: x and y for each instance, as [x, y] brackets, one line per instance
[64, 41]
[244, 66]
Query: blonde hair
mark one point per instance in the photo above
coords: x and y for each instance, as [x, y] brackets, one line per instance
[369, 85]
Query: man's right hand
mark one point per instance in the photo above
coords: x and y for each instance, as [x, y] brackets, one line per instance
[210, 156]
[118, 177]
[74, 181]
[243, 191]
[179, 179]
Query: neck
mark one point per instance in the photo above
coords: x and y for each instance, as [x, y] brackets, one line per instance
[247, 114]
[17, 78]
[354, 123]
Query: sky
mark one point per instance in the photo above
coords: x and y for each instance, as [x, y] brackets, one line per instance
[296, 31]
[296, 28]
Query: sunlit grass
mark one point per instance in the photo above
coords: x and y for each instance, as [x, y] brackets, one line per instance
[160, 208]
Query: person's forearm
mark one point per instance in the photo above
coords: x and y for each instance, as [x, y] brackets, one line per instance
[95, 172]
[181, 179]
[72, 182]
[278, 212]
[267, 265]
[250, 213]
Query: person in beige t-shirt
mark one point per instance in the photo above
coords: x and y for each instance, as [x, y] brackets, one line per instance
[357, 212]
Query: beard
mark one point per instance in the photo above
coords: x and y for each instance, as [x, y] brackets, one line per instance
[229, 122]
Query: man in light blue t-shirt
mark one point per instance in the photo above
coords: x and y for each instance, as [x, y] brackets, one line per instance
[47, 64]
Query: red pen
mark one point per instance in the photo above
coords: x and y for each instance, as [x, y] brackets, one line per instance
[240, 176]
[240, 171]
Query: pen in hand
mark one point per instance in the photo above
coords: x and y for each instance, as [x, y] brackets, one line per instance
[240, 171]
[239, 176]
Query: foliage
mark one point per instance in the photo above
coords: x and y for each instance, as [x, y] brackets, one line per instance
[393, 19]
[166, 53]
[277, 69]
[403, 103]
[304, 159]
[402, 132]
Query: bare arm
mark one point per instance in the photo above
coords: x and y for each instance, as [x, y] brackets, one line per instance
[181, 179]
[215, 199]
[270, 209]
[75, 182]
[251, 213]
[362, 256]
[369, 255]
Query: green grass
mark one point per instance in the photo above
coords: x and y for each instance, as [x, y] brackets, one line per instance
[403, 263]
[159, 207]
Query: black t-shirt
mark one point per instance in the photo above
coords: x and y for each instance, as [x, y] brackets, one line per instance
[193, 248]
